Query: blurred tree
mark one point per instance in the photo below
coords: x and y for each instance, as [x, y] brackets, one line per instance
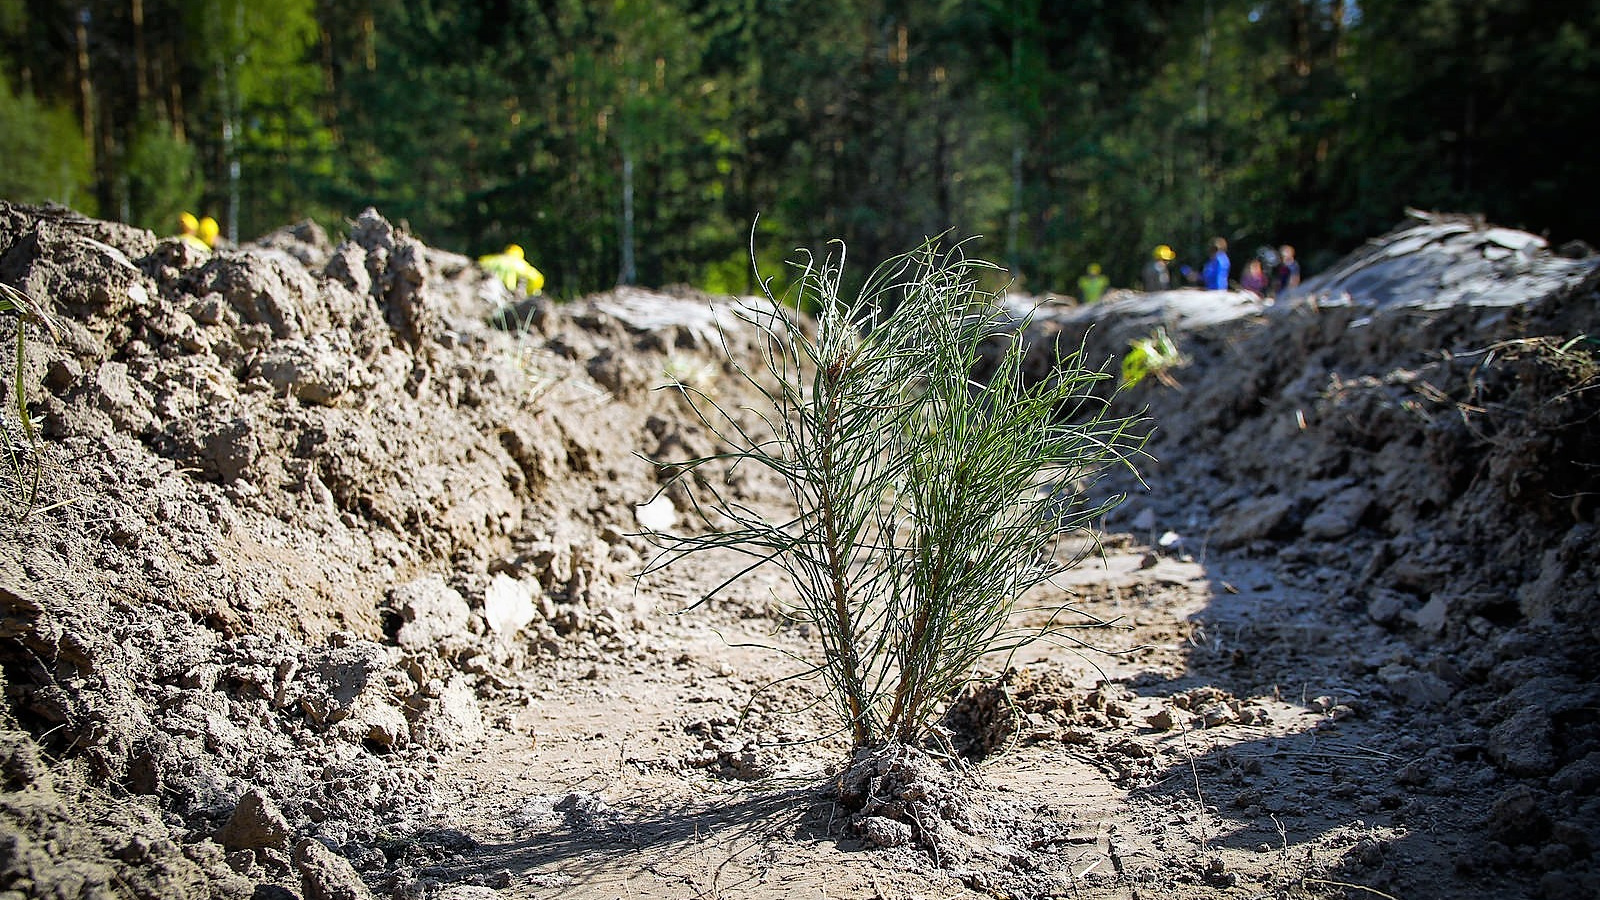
[624, 140]
[162, 177]
[1472, 104]
[268, 152]
[44, 152]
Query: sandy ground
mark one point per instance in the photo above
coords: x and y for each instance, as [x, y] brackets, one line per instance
[600, 788]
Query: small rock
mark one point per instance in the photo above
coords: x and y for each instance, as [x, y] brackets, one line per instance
[1524, 744]
[125, 400]
[449, 718]
[1131, 748]
[275, 861]
[1433, 615]
[1338, 515]
[657, 515]
[749, 766]
[879, 831]
[241, 861]
[1218, 714]
[1414, 774]
[255, 823]
[1581, 776]
[1518, 817]
[432, 611]
[1217, 874]
[1253, 520]
[1161, 721]
[325, 875]
[507, 605]
[1415, 688]
[366, 858]
[1367, 852]
[1385, 608]
[308, 370]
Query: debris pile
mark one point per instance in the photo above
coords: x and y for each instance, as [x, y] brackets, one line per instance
[303, 507]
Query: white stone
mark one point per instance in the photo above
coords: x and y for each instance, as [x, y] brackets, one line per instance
[657, 515]
[507, 605]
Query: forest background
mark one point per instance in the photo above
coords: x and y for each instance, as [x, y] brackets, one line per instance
[636, 141]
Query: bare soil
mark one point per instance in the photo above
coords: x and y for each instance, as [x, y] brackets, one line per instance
[327, 591]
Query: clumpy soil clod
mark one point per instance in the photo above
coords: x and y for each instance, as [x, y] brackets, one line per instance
[929, 809]
[901, 796]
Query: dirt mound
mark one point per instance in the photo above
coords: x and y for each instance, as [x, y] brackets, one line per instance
[1422, 418]
[302, 509]
[1415, 435]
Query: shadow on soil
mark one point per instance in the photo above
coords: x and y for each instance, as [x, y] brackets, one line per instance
[1385, 793]
[584, 844]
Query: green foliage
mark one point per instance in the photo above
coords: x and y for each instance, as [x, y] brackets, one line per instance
[1153, 355]
[924, 504]
[1065, 132]
[44, 153]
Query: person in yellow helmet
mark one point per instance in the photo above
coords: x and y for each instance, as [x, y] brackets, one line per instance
[512, 268]
[190, 233]
[208, 230]
[1155, 276]
[1092, 285]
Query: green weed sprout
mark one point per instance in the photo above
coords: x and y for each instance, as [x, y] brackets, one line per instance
[1154, 355]
[922, 505]
[28, 311]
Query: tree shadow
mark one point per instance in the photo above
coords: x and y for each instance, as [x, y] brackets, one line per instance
[718, 843]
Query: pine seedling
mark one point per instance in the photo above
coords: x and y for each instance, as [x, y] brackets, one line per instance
[922, 504]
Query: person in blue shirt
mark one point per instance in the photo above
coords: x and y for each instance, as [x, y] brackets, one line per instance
[1214, 277]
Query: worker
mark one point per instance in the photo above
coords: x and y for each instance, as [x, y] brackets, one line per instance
[512, 268]
[1214, 277]
[190, 233]
[1092, 286]
[1155, 276]
[208, 231]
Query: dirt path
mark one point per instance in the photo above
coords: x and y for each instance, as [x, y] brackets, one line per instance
[611, 784]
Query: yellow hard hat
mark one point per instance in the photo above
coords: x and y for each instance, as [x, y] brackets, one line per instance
[189, 223]
[1165, 252]
[1094, 268]
[514, 250]
[208, 230]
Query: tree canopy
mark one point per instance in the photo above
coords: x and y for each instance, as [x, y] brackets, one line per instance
[640, 140]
